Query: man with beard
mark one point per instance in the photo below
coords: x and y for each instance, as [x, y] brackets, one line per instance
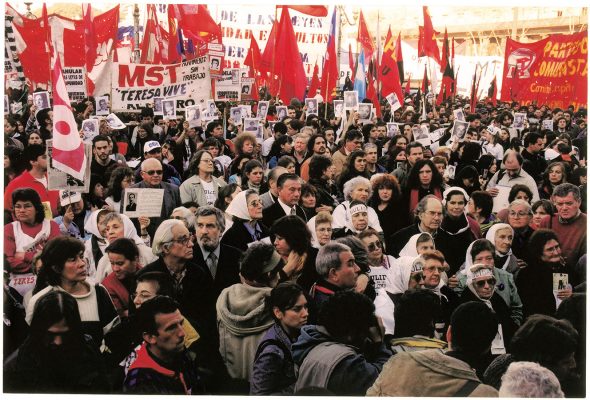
[162, 365]
[316, 145]
[219, 262]
[100, 160]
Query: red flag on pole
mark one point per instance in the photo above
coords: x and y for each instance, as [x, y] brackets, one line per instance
[68, 149]
[288, 64]
[400, 58]
[473, 95]
[445, 52]
[315, 81]
[421, 41]
[364, 37]
[493, 92]
[152, 39]
[372, 93]
[390, 79]
[89, 41]
[407, 89]
[330, 69]
[430, 45]
[253, 58]
[447, 86]
[266, 61]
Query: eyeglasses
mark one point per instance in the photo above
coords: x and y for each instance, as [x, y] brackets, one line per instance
[519, 214]
[417, 277]
[207, 160]
[154, 171]
[183, 240]
[255, 203]
[374, 246]
[491, 282]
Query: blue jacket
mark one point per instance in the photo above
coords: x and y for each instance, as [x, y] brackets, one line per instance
[273, 372]
[354, 374]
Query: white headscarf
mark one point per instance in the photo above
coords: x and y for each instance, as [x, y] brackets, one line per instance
[476, 271]
[91, 224]
[314, 236]
[453, 188]
[239, 207]
[491, 236]
[129, 230]
[399, 278]
[410, 249]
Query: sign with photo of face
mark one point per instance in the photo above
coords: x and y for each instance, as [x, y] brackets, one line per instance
[548, 124]
[364, 110]
[393, 102]
[281, 112]
[459, 115]
[158, 110]
[339, 111]
[262, 110]
[102, 105]
[312, 107]
[459, 129]
[392, 129]
[236, 115]
[193, 116]
[519, 120]
[351, 100]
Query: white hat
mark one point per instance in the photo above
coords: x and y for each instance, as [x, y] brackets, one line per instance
[149, 146]
[66, 197]
[551, 154]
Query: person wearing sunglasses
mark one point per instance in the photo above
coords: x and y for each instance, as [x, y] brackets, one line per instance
[481, 286]
[381, 265]
[151, 178]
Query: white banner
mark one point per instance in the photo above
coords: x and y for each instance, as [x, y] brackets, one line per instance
[136, 85]
[75, 79]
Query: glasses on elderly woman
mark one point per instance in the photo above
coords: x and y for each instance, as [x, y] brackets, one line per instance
[374, 246]
[491, 282]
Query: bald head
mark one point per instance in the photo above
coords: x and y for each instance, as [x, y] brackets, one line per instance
[151, 172]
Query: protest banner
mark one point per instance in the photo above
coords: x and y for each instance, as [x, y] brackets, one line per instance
[59, 180]
[75, 79]
[136, 85]
[228, 86]
[552, 71]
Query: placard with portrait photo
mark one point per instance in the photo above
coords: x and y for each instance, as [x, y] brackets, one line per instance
[311, 107]
[102, 105]
[158, 110]
[262, 110]
[339, 111]
[193, 116]
[89, 129]
[351, 100]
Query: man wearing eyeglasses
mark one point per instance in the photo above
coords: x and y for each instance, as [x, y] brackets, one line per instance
[432, 269]
[151, 178]
[153, 149]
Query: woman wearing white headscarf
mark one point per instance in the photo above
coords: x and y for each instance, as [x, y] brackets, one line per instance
[501, 236]
[119, 226]
[482, 251]
[481, 286]
[246, 211]
[320, 227]
[94, 247]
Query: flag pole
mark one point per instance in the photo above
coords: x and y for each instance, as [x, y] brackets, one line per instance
[378, 57]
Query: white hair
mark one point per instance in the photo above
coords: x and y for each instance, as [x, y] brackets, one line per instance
[164, 235]
[352, 184]
[529, 379]
[187, 214]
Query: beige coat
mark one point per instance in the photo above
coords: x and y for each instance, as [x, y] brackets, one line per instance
[428, 373]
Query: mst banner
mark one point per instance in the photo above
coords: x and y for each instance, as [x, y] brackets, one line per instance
[552, 71]
[136, 85]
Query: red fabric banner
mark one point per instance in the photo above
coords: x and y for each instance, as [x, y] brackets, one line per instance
[552, 71]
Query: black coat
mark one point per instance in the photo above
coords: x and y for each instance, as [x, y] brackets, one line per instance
[274, 212]
[238, 236]
[228, 268]
[535, 288]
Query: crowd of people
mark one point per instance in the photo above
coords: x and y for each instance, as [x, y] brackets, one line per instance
[329, 257]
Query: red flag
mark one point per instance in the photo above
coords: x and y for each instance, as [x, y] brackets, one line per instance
[330, 69]
[365, 38]
[425, 82]
[288, 64]
[196, 23]
[316, 11]
[89, 37]
[400, 58]
[448, 82]
[267, 60]
[32, 52]
[493, 92]
[105, 28]
[152, 39]
[253, 59]
[453, 52]
[429, 41]
[350, 61]
[68, 149]
[372, 93]
[407, 89]
[473, 96]
[315, 81]
[390, 78]
[421, 41]
[445, 52]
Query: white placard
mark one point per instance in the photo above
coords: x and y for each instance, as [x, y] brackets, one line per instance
[501, 200]
[89, 129]
[114, 122]
[351, 100]
[143, 202]
[102, 105]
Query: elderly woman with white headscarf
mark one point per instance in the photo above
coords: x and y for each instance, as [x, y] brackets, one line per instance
[481, 286]
[482, 251]
[320, 227]
[501, 235]
[246, 211]
[120, 226]
[359, 189]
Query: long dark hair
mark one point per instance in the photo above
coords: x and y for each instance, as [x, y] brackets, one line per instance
[114, 187]
[53, 259]
[413, 177]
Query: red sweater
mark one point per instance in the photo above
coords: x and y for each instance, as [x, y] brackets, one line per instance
[572, 237]
[23, 266]
[26, 180]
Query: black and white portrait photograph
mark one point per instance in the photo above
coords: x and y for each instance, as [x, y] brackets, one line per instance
[193, 116]
[41, 100]
[459, 129]
[236, 115]
[281, 112]
[548, 124]
[215, 63]
[102, 105]
[393, 101]
[169, 108]
[262, 110]
[251, 125]
[312, 107]
[131, 202]
[459, 115]
[246, 89]
[351, 100]
[158, 106]
[211, 109]
[392, 129]
[89, 129]
[365, 111]
[246, 110]
[339, 109]
[519, 119]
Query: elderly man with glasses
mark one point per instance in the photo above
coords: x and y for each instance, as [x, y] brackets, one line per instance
[153, 149]
[151, 175]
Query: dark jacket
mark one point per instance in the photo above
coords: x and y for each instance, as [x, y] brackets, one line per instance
[228, 268]
[27, 370]
[238, 236]
[453, 239]
[273, 372]
[353, 374]
[319, 293]
[535, 287]
[148, 376]
[274, 212]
